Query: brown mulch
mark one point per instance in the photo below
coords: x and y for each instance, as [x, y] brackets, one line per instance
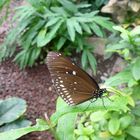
[34, 86]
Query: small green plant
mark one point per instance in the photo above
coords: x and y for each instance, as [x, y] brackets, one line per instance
[57, 25]
[11, 114]
[108, 122]
[128, 48]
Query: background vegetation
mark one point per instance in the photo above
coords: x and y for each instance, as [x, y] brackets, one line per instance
[65, 25]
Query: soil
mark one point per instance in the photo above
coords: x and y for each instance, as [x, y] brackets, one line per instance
[34, 86]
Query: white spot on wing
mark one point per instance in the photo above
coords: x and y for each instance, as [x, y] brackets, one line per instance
[74, 72]
[61, 85]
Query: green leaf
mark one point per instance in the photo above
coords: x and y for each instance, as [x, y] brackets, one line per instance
[97, 116]
[92, 61]
[60, 43]
[11, 109]
[71, 29]
[19, 123]
[77, 26]
[66, 131]
[134, 131]
[115, 47]
[136, 69]
[17, 133]
[86, 28]
[114, 125]
[118, 104]
[41, 37]
[136, 110]
[104, 23]
[52, 21]
[120, 78]
[125, 121]
[50, 35]
[80, 42]
[69, 5]
[35, 52]
[84, 59]
[136, 91]
[124, 33]
[96, 29]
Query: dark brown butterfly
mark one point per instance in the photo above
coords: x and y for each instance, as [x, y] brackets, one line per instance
[70, 81]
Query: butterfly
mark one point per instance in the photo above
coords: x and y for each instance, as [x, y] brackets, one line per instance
[74, 85]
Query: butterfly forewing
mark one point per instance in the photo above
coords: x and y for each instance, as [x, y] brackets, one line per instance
[71, 83]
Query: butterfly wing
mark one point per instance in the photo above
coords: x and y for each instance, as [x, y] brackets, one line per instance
[71, 82]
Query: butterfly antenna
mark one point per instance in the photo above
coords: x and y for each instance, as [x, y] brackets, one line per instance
[87, 107]
[109, 98]
[103, 103]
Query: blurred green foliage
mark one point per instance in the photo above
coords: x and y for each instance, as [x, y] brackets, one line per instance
[57, 25]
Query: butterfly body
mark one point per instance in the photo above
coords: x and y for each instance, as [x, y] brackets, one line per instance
[71, 82]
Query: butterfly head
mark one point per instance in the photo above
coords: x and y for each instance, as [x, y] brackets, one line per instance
[101, 92]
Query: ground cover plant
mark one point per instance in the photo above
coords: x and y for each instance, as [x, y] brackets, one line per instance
[53, 25]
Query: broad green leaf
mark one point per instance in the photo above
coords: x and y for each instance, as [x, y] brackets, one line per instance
[134, 131]
[104, 23]
[77, 26]
[115, 47]
[92, 61]
[86, 28]
[41, 37]
[136, 92]
[136, 69]
[136, 110]
[71, 29]
[60, 43]
[60, 104]
[125, 121]
[118, 104]
[124, 33]
[97, 116]
[66, 126]
[120, 78]
[17, 133]
[69, 5]
[11, 109]
[84, 59]
[52, 21]
[84, 19]
[114, 125]
[96, 29]
[132, 82]
[19, 123]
